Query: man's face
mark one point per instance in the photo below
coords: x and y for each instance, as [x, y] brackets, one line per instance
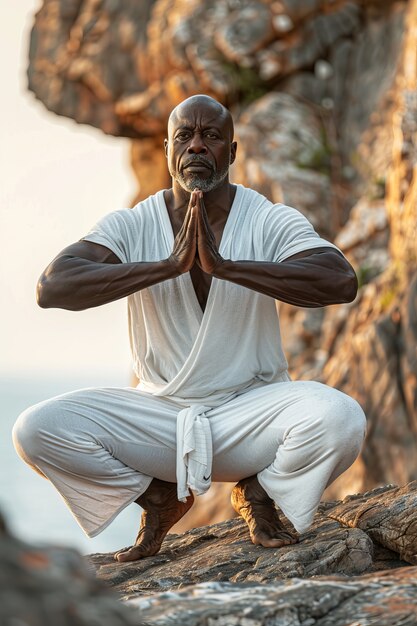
[199, 148]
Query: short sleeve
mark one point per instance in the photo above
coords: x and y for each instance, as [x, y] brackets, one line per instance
[112, 232]
[286, 232]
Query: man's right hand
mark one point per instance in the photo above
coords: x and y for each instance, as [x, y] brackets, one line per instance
[183, 255]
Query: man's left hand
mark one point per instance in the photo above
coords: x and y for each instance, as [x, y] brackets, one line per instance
[208, 256]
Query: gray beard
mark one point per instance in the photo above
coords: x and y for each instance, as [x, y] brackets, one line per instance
[193, 180]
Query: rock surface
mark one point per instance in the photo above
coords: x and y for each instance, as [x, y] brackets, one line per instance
[339, 574]
[358, 535]
[223, 552]
[283, 154]
[389, 517]
[378, 339]
[349, 568]
[389, 599]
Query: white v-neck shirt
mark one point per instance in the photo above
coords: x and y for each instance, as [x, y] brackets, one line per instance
[178, 350]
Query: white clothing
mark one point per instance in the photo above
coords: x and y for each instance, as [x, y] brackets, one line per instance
[214, 388]
[101, 447]
[176, 347]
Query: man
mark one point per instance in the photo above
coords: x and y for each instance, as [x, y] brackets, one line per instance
[202, 265]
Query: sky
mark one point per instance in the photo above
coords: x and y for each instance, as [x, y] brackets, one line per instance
[57, 179]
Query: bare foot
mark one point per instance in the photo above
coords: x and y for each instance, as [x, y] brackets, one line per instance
[161, 510]
[252, 502]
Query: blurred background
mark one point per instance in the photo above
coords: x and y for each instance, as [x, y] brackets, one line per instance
[57, 179]
[325, 102]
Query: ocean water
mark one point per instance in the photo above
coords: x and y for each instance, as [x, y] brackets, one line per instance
[32, 507]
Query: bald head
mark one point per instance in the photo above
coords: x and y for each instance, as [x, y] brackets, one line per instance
[201, 104]
[200, 146]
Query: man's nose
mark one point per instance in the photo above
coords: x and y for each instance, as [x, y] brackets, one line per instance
[197, 145]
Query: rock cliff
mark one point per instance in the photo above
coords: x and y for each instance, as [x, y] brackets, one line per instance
[324, 97]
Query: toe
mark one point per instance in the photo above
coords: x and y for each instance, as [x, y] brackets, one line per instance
[116, 554]
[283, 539]
[132, 554]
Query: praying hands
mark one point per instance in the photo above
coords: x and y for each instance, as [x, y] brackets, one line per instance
[195, 241]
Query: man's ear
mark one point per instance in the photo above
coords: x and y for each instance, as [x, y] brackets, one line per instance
[233, 149]
[166, 147]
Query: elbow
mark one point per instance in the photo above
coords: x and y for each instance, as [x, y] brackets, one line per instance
[51, 295]
[350, 287]
[43, 294]
[346, 280]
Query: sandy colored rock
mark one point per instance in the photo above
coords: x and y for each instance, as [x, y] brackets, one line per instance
[309, 42]
[283, 154]
[388, 517]
[374, 356]
[123, 69]
[367, 218]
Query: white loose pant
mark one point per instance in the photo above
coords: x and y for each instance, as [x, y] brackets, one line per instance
[101, 447]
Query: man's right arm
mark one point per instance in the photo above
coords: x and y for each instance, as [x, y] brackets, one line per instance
[87, 274]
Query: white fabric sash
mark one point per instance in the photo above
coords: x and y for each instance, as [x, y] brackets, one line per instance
[194, 451]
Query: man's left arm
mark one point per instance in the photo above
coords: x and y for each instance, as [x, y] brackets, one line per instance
[311, 278]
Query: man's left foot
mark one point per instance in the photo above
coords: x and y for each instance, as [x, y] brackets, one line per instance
[251, 501]
[161, 510]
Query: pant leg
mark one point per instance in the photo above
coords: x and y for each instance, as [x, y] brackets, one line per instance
[298, 437]
[100, 448]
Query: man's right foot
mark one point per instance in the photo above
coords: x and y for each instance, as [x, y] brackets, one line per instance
[161, 510]
[251, 501]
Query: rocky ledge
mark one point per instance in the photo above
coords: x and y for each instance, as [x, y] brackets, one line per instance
[356, 566]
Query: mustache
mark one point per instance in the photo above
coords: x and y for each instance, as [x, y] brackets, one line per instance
[198, 158]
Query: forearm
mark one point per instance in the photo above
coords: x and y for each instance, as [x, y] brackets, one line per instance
[76, 284]
[314, 281]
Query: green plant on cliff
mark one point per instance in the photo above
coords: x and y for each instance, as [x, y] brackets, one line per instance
[318, 158]
[246, 81]
[364, 274]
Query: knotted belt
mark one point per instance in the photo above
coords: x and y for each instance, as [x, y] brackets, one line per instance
[194, 451]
